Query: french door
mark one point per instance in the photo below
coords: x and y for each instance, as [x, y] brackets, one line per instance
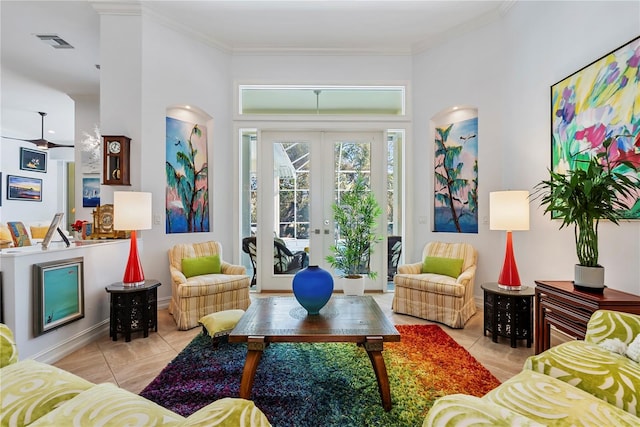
[300, 175]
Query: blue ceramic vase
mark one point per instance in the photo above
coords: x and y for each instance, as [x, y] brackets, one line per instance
[312, 287]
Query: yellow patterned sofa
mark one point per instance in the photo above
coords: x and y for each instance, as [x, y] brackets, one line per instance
[40, 395]
[595, 382]
[196, 296]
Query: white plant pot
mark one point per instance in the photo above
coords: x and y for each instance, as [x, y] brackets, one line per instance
[589, 277]
[352, 286]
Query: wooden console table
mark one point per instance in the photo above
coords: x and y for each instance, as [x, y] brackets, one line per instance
[560, 305]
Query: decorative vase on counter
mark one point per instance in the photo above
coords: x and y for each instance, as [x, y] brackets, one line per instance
[313, 287]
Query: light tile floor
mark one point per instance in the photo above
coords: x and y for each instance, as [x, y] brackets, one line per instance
[134, 364]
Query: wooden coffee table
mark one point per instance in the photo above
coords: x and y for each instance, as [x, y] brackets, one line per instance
[344, 319]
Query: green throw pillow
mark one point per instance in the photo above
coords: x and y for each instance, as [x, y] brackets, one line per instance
[201, 265]
[446, 266]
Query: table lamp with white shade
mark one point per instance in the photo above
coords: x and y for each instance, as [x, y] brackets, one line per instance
[132, 211]
[509, 210]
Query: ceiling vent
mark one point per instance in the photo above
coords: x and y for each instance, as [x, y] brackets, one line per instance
[54, 41]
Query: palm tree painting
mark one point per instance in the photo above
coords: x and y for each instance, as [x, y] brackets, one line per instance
[456, 177]
[187, 200]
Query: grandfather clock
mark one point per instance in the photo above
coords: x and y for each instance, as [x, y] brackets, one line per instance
[115, 160]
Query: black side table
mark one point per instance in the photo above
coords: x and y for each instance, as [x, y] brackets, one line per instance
[133, 308]
[508, 313]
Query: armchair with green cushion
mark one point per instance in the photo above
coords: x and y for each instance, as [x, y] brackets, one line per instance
[210, 285]
[41, 395]
[439, 287]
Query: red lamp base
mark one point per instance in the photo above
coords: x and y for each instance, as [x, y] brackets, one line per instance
[133, 275]
[509, 277]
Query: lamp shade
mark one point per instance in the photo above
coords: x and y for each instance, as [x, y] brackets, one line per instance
[132, 210]
[509, 210]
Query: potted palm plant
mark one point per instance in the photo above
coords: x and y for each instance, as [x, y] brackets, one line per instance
[584, 196]
[355, 215]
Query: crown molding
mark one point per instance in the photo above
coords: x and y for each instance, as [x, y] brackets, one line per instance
[130, 8]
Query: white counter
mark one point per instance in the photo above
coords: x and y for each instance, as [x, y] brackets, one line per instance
[104, 263]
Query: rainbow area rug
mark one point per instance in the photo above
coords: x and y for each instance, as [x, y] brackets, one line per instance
[329, 384]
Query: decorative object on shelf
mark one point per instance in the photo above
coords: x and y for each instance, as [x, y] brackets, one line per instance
[77, 229]
[592, 106]
[355, 215]
[19, 234]
[77, 226]
[24, 188]
[33, 160]
[132, 211]
[582, 197]
[509, 211]
[116, 160]
[103, 222]
[313, 287]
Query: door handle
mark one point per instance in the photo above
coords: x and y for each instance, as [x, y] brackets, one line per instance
[316, 231]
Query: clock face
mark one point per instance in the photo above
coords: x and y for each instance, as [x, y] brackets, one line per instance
[114, 147]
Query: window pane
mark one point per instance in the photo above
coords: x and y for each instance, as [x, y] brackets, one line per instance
[322, 100]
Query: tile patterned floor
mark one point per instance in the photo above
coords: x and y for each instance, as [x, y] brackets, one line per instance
[134, 364]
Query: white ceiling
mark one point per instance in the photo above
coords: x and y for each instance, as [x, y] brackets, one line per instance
[346, 27]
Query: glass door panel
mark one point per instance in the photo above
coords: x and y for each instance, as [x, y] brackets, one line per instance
[301, 174]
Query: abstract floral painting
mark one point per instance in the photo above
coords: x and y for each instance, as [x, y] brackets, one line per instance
[599, 102]
[456, 177]
[187, 198]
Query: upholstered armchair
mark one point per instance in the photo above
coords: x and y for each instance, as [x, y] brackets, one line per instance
[215, 285]
[440, 287]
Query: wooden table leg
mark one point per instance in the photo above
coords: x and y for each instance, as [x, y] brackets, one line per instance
[255, 347]
[374, 347]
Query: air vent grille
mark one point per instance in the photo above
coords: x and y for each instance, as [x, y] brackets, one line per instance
[55, 41]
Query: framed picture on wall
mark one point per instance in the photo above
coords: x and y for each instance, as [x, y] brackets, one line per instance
[90, 192]
[24, 188]
[33, 160]
[58, 294]
[594, 104]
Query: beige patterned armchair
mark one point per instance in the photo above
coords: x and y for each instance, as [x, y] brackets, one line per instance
[197, 296]
[438, 297]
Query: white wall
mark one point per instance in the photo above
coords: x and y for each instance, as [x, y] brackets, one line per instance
[467, 71]
[178, 70]
[506, 70]
[538, 58]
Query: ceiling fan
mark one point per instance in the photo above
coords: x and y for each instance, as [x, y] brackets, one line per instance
[41, 143]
